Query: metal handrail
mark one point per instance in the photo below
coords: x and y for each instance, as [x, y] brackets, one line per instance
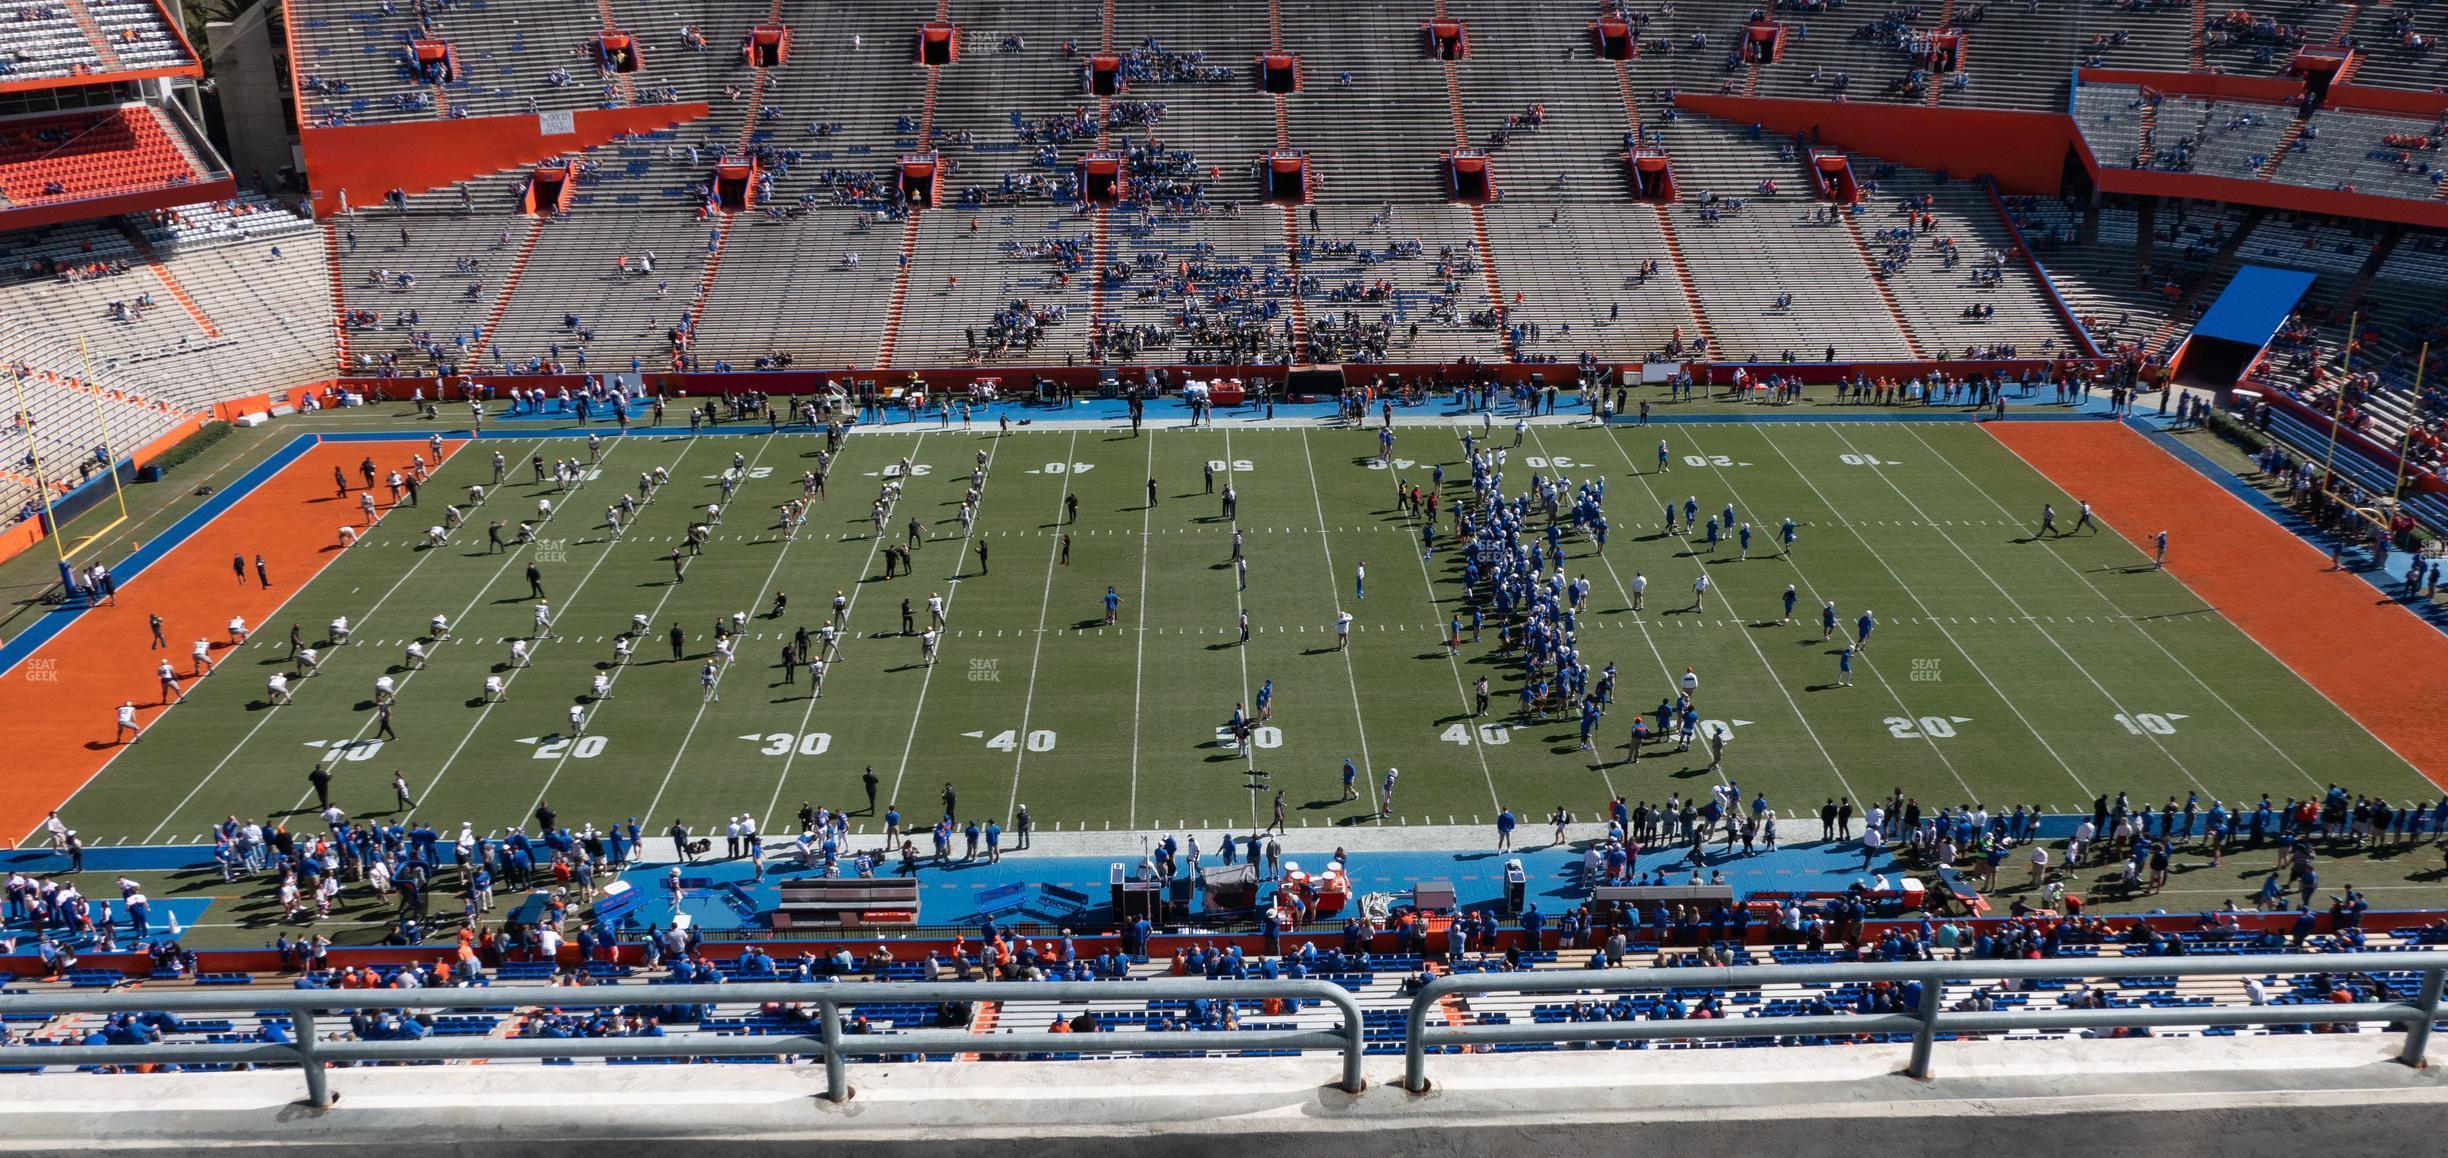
[1929, 1019]
[830, 1044]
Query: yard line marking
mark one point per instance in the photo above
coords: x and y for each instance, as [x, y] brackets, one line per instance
[1139, 670]
[951, 592]
[487, 711]
[1028, 700]
[1334, 590]
[1803, 583]
[845, 635]
[1913, 595]
[1249, 752]
[2045, 633]
[2146, 634]
[267, 713]
[1461, 687]
[652, 617]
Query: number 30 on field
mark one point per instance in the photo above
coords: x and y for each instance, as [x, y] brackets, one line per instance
[784, 743]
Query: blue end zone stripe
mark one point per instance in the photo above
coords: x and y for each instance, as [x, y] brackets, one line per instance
[57, 620]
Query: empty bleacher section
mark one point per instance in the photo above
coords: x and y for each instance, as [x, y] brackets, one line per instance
[1584, 274]
[2392, 156]
[1014, 289]
[79, 40]
[1189, 262]
[69, 425]
[82, 156]
[1960, 283]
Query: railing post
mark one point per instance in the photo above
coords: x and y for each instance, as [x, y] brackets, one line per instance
[2418, 1035]
[837, 1072]
[318, 1079]
[1355, 1041]
[1925, 1038]
[1415, 1054]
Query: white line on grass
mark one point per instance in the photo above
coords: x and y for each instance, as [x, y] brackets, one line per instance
[1802, 581]
[486, 712]
[1147, 515]
[1028, 700]
[652, 617]
[1334, 590]
[479, 596]
[951, 591]
[875, 542]
[1928, 616]
[2241, 718]
[1461, 686]
[1249, 751]
[704, 702]
[267, 713]
[2045, 633]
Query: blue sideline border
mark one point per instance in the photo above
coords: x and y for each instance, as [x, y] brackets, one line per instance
[58, 619]
[2385, 580]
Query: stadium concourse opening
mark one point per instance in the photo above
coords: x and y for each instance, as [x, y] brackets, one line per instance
[1257, 541]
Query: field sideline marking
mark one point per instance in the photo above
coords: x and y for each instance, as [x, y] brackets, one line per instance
[1933, 620]
[267, 714]
[951, 592]
[1045, 601]
[858, 587]
[1334, 590]
[2163, 648]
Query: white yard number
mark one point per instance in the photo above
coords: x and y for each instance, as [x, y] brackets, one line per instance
[1060, 468]
[1933, 727]
[1559, 462]
[353, 749]
[784, 743]
[1708, 460]
[1220, 466]
[2150, 723]
[1864, 460]
[916, 469]
[1262, 736]
[760, 472]
[1008, 740]
[583, 748]
[1490, 734]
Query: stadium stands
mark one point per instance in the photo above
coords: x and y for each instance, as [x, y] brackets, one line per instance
[82, 156]
[825, 270]
[2348, 966]
[83, 40]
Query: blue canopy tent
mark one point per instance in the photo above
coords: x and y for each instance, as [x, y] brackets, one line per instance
[2239, 325]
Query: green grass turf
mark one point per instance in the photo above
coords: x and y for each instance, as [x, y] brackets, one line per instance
[2025, 651]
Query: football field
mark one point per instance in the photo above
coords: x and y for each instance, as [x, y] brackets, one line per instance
[2004, 669]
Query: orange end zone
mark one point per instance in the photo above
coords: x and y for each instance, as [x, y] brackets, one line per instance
[61, 700]
[2325, 625]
